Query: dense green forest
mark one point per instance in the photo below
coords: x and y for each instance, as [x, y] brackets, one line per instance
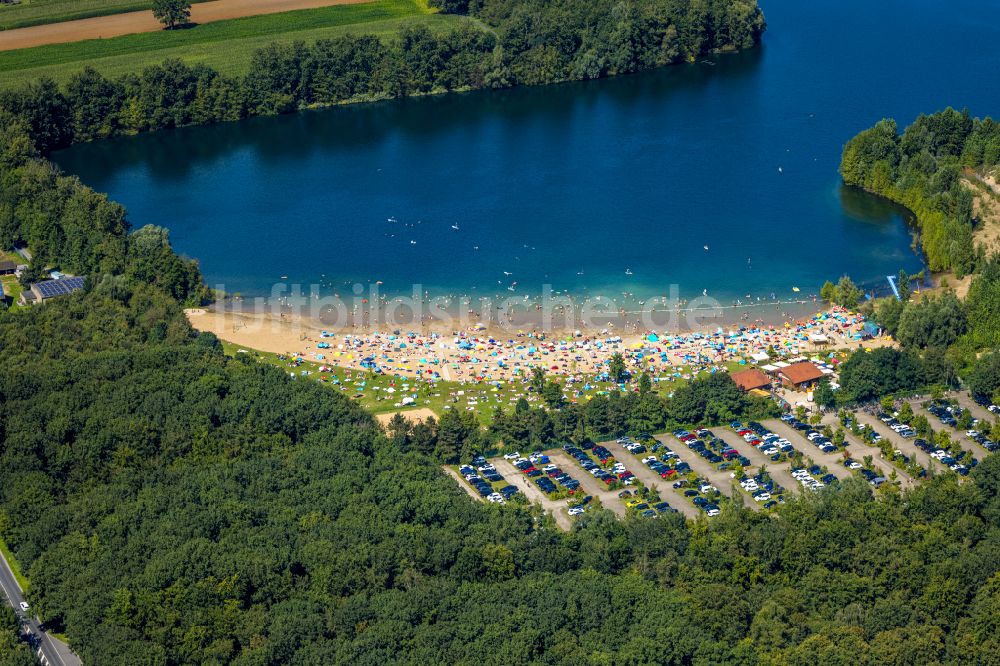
[921, 169]
[527, 42]
[175, 506]
[172, 505]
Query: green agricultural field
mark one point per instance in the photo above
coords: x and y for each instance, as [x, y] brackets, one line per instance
[224, 45]
[38, 12]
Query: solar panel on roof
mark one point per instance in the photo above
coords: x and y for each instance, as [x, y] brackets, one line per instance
[49, 289]
[53, 288]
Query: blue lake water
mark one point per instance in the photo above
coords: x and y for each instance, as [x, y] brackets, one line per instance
[573, 185]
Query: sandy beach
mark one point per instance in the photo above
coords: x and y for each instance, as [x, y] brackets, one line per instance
[482, 354]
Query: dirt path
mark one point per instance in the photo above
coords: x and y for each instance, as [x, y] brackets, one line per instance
[412, 415]
[463, 483]
[115, 25]
[609, 498]
[532, 492]
[779, 472]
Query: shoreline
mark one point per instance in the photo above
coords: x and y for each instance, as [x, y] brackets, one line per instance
[478, 353]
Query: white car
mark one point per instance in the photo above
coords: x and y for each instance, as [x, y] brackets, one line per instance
[972, 433]
[576, 511]
[762, 497]
[25, 606]
[706, 488]
[712, 513]
[511, 456]
[854, 464]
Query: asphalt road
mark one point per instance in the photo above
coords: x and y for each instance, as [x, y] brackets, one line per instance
[48, 650]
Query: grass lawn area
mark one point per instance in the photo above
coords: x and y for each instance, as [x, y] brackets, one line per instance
[369, 389]
[14, 566]
[224, 45]
[38, 12]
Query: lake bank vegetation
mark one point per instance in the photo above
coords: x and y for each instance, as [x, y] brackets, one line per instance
[512, 44]
[922, 169]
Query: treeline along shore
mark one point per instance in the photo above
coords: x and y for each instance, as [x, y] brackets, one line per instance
[505, 44]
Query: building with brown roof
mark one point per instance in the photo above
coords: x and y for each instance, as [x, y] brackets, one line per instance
[751, 379]
[799, 375]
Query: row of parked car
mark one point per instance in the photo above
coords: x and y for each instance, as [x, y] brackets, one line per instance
[949, 414]
[821, 442]
[984, 401]
[763, 489]
[711, 448]
[871, 476]
[645, 510]
[618, 470]
[903, 429]
[813, 478]
[762, 439]
[548, 476]
[944, 457]
[701, 493]
[480, 474]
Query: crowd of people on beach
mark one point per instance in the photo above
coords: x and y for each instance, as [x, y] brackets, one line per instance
[476, 355]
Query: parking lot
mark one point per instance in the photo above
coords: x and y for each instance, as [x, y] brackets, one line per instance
[957, 434]
[556, 508]
[777, 470]
[652, 480]
[590, 485]
[833, 462]
[858, 450]
[899, 442]
[721, 479]
[690, 472]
